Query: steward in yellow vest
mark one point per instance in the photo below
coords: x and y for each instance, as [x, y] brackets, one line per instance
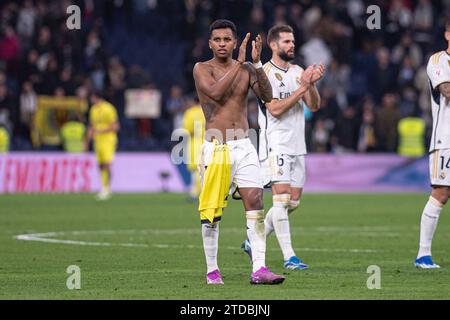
[411, 132]
[72, 134]
[4, 140]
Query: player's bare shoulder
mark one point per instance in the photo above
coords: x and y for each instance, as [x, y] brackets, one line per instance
[201, 68]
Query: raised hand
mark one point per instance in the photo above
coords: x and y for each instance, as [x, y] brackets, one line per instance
[318, 73]
[243, 49]
[256, 49]
[307, 75]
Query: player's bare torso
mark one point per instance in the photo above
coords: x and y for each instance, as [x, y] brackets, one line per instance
[229, 116]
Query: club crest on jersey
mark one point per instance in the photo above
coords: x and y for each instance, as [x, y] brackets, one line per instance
[280, 172]
[298, 80]
[280, 78]
[442, 175]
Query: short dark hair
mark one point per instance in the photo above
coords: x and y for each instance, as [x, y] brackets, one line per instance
[222, 24]
[274, 32]
[447, 24]
[100, 94]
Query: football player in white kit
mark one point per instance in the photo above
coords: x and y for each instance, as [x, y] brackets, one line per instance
[438, 70]
[282, 137]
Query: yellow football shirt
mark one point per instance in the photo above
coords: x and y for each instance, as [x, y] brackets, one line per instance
[102, 116]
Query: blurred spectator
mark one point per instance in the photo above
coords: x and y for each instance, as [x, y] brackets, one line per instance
[337, 80]
[6, 108]
[50, 76]
[279, 15]
[98, 77]
[315, 50]
[137, 77]
[92, 49]
[384, 76]
[66, 81]
[424, 17]
[10, 48]
[320, 137]
[311, 18]
[175, 106]
[367, 141]
[30, 70]
[407, 48]
[422, 87]
[408, 102]
[406, 73]
[295, 21]
[28, 105]
[116, 74]
[400, 14]
[387, 118]
[345, 137]
[26, 24]
[44, 45]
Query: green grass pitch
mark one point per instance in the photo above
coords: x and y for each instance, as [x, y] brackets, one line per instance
[148, 246]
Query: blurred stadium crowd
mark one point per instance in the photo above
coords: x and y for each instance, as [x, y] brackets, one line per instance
[374, 78]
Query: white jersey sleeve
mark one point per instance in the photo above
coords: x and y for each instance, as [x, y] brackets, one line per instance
[438, 69]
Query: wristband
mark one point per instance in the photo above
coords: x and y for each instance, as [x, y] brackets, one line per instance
[258, 64]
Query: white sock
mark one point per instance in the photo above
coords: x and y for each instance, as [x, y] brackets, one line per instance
[268, 222]
[428, 224]
[210, 235]
[281, 226]
[257, 236]
[292, 205]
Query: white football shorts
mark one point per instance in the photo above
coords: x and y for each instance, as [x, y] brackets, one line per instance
[245, 170]
[440, 167]
[284, 169]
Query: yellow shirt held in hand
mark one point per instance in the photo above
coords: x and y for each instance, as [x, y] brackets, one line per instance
[216, 184]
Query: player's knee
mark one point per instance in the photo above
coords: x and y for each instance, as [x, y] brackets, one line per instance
[281, 188]
[257, 203]
[441, 195]
[443, 199]
[255, 200]
[281, 200]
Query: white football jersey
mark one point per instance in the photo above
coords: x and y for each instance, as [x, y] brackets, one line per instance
[285, 134]
[438, 70]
